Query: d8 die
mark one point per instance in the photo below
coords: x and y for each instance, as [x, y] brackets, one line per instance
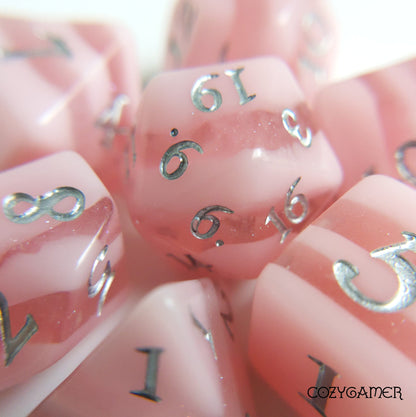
[229, 166]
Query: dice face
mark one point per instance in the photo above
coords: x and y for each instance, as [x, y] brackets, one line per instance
[341, 304]
[301, 33]
[62, 269]
[172, 356]
[192, 40]
[370, 119]
[83, 78]
[229, 166]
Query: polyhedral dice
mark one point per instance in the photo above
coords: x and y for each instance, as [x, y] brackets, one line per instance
[173, 355]
[332, 325]
[370, 119]
[67, 86]
[229, 165]
[300, 32]
[62, 269]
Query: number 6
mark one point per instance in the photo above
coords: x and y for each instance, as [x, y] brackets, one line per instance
[203, 215]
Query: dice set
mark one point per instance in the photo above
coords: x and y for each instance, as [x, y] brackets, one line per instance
[234, 240]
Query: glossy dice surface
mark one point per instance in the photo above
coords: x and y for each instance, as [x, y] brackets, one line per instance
[300, 32]
[229, 166]
[69, 86]
[173, 355]
[370, 120]
[342, 306]
[61, 269]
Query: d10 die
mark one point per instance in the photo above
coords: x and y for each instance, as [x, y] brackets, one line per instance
[229, 166]
[69, 86]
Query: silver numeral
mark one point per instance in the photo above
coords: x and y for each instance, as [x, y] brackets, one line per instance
[203, 215]
[104, 283]
[109, 120]
[235, 76]
[401, 166]
[176, 150]
[405, 295]
[43, 205]
[149, 390]
[58, 47]
[207, 334]
[290, 123]
[13, 345]
[290, 204]
[198, 91]
[317, 46]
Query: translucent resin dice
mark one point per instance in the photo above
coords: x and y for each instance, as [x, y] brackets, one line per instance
[69, 86]
[61, 262]
[300, 32]
[332, 327]
[371, 120]
[229, 166]
[172, 356]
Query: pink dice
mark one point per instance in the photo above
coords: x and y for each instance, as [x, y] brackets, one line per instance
[229, 166]
[370, 120]
[62, 269]
[172, 356]
[332, 326]
[69, 86]
[299, 32]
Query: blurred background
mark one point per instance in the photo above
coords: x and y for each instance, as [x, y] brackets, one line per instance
[371, 34]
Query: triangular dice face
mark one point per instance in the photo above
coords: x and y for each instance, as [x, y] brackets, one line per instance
[172, 355]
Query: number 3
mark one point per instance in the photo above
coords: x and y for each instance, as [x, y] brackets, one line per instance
[405, 295]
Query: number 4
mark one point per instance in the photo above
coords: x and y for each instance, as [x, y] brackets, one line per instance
[14, 344]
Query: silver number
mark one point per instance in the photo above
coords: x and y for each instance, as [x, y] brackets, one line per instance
[317, 46]
[207, 334]
[290, 204]
[13, 345]
[401, 166]
[109, 119]
[280, 226]
[176, 150]
[198, 92]
[149, 390]
[405, 295]
[325, 378]
[235, 76]
[43, 205]
[59, 47]
[290, 123]
[203, 215]
[105, 281]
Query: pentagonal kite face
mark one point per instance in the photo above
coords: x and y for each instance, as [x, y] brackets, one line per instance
[229, 166]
